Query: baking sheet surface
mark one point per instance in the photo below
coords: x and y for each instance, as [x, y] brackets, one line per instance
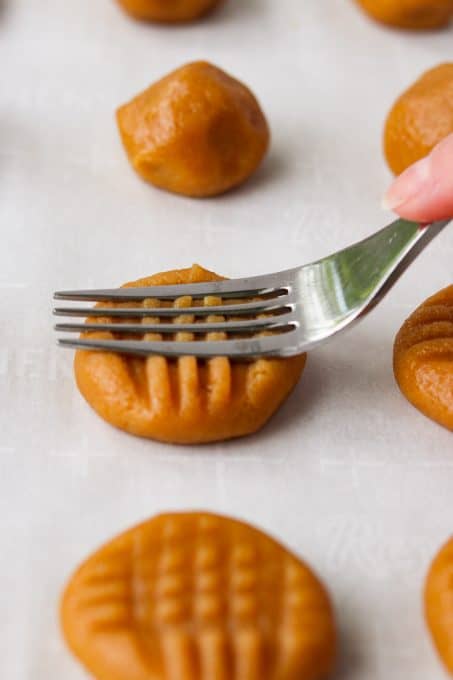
[347, 474]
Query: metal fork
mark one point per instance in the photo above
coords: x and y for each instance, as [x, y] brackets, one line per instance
[291, 311]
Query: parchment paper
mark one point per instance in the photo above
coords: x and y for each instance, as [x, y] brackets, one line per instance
[348, 474]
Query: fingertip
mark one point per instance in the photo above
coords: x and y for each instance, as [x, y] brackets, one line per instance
[424, 192]
[408, 186]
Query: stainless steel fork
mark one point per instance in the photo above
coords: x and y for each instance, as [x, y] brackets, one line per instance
[285, 313]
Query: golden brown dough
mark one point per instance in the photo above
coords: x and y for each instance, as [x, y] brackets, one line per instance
[420, 119]
[439, 603]
[195, 596]
[197, 132]
[184, 401]
[168, 11]
[423, 358]
[410, 14]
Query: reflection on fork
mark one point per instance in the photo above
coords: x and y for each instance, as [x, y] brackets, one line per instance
[275, 315]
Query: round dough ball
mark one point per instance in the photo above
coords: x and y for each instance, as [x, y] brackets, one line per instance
[423, 358]
[421, 118]
[184, 401]
[168, 11]
[197, 132]
[439, 603]
[411, 14]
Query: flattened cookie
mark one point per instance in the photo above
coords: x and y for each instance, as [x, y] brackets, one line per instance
[423, 358]
[439, 603]
[198, 597]
[184, 401]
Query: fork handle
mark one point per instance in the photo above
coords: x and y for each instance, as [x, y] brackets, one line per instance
[395, 249]
[419, 236]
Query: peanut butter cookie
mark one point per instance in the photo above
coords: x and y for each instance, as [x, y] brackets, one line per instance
[184, 401]
[423, 358]
[421, 118]
[197, 132]
[196, 596]
[168, 11]
[439, 603]
[411, 14]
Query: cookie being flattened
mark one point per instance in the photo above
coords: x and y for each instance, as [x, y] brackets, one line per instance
[423, 358]
[184, 401]
[196, 596]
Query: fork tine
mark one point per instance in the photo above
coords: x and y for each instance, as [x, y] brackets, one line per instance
[273, 306]
[237, 288]
[266, 346]
[249, 326]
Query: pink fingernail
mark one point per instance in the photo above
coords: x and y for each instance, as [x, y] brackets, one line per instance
[410, 183]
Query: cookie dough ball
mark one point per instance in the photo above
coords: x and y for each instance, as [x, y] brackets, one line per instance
[193, 595]
[197, 132]
[423, 358]
[168, 11]
[184, 401]
[439, 603]
[421, 118]
[411, 14]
